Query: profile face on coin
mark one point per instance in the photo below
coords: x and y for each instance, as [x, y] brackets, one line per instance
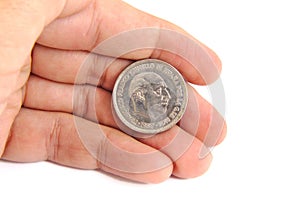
[149, 96]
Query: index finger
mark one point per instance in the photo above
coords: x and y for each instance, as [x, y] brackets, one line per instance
[114, 28]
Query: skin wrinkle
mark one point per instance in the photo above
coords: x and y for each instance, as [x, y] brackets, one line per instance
[98, 69]
[85, 94]
[96, 20]
[78, 109]
[53, 154]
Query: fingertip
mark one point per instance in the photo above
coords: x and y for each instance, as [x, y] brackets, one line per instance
[209, 68]
[199, 156]
[194, 60]
[159, 176]
[215, 58]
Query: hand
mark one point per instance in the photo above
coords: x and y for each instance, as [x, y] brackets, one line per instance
[43, 45]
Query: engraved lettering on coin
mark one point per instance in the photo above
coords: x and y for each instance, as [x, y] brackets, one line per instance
[149, 96]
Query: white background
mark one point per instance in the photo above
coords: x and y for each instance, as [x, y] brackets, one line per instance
[258, 42]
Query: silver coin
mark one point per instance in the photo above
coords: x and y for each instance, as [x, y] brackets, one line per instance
[149, 96]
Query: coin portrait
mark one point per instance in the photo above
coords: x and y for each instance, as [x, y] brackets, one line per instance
[149, 96]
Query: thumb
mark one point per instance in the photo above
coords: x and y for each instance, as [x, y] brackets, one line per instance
[21, 23]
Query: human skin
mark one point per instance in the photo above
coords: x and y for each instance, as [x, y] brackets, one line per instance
[42, 45]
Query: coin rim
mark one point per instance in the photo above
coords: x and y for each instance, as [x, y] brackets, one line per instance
[129, 125]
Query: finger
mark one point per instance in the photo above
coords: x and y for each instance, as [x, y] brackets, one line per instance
[190, 156]
[76, 67]
[82, 100]
[38, 135]
[95, 24]
[200, 118]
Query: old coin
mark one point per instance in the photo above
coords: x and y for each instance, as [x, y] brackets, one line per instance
[149, 96]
